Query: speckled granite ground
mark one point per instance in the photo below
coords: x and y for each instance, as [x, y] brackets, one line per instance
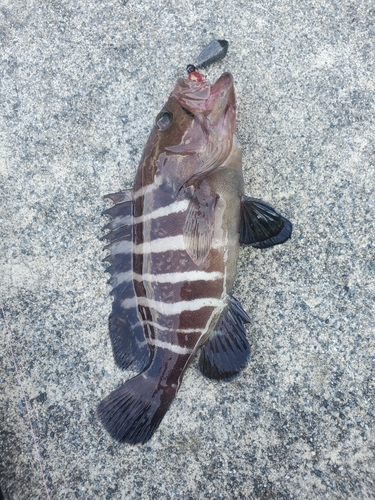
[81, 84]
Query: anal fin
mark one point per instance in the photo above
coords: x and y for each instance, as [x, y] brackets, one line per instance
[227, 351]
[261, 226]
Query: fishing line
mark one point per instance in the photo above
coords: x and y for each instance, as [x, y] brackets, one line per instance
[19, 379]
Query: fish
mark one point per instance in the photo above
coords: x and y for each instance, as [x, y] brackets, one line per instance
[173, 246]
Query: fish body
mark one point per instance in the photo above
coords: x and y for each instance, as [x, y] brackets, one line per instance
[174, 243]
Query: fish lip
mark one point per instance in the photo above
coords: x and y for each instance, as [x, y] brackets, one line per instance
[223, 89]
[222, 99]
[201, 97]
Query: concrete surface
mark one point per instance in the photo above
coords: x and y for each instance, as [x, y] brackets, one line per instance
[81, 83]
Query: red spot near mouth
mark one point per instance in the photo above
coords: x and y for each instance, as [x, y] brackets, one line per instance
[194, 76]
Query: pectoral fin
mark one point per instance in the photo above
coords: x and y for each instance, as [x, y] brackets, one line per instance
[261, 226]
[200, 222]
[227, 351]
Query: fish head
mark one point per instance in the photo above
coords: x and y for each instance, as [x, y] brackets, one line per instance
[216, 103]
[193, 133]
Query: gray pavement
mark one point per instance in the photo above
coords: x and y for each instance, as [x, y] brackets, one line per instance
[81, 83]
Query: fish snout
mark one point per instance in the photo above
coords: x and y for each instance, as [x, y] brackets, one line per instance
[221, 99]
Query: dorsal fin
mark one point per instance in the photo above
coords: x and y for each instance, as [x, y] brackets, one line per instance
[125, 330]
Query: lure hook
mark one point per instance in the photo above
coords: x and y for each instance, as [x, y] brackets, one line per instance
[213, 52]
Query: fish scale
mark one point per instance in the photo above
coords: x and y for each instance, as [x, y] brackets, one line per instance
[174, 244]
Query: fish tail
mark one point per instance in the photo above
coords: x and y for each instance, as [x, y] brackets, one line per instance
[132, 413]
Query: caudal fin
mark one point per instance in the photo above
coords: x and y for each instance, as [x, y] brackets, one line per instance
[132, 413]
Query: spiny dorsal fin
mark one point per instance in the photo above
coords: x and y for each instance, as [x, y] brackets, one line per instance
[125, 330]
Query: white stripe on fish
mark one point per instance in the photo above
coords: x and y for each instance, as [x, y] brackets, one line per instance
[167, 277]
[155, 246]
[179, 277]
[143, 190]
[172, 347]
[170, 309]
[165, 329]
[173, 208]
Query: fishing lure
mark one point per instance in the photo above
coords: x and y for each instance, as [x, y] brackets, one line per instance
[173, 248]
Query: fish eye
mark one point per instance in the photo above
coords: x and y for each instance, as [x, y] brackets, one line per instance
[164, 120]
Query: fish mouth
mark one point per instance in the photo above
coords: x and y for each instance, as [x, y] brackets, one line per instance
[222, 99]
[213, 101]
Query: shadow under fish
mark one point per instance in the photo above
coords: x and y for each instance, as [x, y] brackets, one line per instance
[173, 249]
